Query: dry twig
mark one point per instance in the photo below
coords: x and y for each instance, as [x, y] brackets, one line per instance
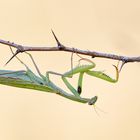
[61, 47]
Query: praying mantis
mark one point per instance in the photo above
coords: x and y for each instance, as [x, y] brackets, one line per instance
[27, 79]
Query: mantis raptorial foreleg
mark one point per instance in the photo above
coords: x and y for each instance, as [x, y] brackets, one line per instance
[81, 69]
[77, 70]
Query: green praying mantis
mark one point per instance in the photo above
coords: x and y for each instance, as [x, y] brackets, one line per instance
[27, 79]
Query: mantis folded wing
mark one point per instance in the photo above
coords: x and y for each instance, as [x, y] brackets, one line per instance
[22, 80]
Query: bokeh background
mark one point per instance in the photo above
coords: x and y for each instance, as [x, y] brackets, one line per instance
[111, 26]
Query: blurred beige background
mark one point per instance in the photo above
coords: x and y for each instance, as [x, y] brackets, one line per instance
[111, 26]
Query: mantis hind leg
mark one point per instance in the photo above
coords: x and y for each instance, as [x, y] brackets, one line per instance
[24, 63]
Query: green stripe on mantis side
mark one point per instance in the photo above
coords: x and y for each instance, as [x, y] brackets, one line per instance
[78, 69]
[15, 82]
[22, 80]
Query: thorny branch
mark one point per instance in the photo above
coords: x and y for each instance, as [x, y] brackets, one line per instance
[61, 47]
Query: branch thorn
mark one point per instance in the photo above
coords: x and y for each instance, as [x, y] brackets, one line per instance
[60, 46]
[12, 57]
